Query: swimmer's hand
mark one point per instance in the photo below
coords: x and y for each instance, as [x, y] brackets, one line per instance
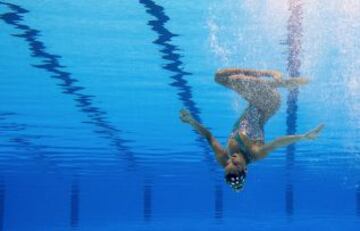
[185, 116]
[313, 134]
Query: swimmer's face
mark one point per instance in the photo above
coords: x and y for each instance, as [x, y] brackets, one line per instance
[235, 172]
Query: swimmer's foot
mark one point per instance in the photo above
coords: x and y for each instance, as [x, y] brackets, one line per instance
[313, 134]
[294, 82]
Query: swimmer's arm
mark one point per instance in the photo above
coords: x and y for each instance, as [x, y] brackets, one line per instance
[220, 153]
[283, 141]
[250, 72]
[263, 151]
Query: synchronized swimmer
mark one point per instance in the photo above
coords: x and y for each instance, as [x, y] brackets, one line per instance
[246, 144]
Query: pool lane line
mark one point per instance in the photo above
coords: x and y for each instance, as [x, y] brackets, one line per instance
[74, 203]
[357, 199]
[174, 64]
[147, 201]
[294, 46]
[70, 85]
[2, 202]
[170, 54]
[219, 203]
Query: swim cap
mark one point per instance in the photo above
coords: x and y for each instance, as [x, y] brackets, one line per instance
[236, 180]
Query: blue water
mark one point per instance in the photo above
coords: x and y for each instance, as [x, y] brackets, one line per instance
[90, 92]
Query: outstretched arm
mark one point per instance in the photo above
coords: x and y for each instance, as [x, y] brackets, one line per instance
[262, 151]
[220, 153]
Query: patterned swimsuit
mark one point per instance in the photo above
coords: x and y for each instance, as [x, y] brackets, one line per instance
[251, 124]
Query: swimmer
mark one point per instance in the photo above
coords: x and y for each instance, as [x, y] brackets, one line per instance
[246, 144]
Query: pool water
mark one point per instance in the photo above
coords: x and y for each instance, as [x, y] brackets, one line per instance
[90, 136]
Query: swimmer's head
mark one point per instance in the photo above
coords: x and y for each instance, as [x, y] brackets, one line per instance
[236, 180]
[235, 172]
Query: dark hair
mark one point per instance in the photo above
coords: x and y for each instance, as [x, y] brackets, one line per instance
[236, 179]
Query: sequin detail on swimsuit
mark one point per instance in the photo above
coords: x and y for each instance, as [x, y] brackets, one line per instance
[250, 124]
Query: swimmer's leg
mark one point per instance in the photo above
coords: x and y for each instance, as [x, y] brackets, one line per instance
[277, 80]
[250, 72]
[258, 92]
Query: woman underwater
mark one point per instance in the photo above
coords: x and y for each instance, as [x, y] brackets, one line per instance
[245, 144]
